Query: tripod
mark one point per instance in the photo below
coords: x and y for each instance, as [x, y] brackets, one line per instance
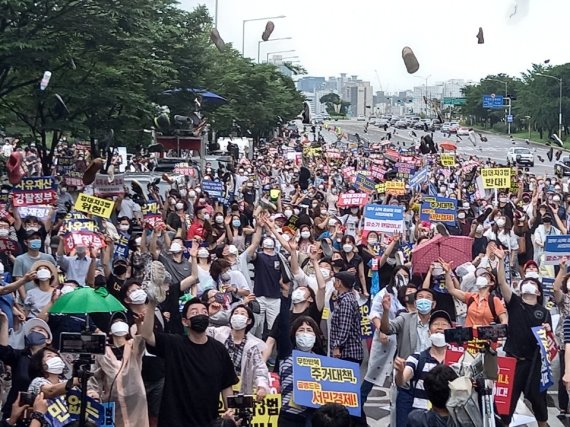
[82, 370]
[484, 380]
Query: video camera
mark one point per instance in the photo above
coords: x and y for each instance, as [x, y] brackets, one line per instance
[462, 335]
[243, 404]
[86, 345]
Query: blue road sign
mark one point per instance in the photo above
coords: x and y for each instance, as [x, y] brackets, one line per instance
[509, 118]
[490, 101]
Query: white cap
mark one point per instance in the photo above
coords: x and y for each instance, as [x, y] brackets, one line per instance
[232, 249]
[35, 322]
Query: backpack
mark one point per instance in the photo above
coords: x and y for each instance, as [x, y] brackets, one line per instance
[491, 302]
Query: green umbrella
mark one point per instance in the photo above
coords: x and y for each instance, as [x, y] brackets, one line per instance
[87, 300]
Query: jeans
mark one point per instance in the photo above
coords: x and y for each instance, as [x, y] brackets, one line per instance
[404, 404]
[365, 390]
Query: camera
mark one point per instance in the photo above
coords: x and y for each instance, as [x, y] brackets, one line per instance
[492, 332]
[458, 335]
[82, 343]
[27, 398]
[240, 401]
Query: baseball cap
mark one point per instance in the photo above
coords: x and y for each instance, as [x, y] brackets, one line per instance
[35, 322]
[440, 314]
[347, 279]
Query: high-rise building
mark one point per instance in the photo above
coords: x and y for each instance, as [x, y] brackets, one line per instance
[310, 84]
[359, 94]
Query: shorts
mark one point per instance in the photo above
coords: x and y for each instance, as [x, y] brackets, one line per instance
[154, 396]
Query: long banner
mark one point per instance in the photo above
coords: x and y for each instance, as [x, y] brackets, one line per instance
[384, 218]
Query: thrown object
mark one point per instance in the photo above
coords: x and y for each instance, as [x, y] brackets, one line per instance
[217, 39]
[480, 37]
[15, 169]
[269, 27]
[92, 170]
[410, 60]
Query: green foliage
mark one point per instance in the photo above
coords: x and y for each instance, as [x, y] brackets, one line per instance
[334, 104]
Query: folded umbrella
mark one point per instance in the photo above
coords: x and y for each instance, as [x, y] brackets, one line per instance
[456, 249]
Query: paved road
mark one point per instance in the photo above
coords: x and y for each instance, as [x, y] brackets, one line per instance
[495, 148]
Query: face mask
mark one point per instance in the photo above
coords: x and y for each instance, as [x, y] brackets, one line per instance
[124, 227]
[80, 252]
[63, 190]
[438, 271]
[268, 244]
[437, 339]
[305, 341]
[298, 296]
[120, 269]
[203, 253]
[296, 211]
[175, 247]
[199, 323]
[325, 272]
[219, 219]
[423, 305]
[461, 215]
[183, 194]
[55, 365]
[531, 275]
[119, 329]
[35, 338]
[528, 288]
[288, 213]
[67, 289]
[238, 322]
[4, 232]
[305, 234]
[35, 244]
[179, 206]
[481, 282]
[347, 248]
[32, 228]
[500, 222]
[206, 217]
[138, 297]
[354, 211]
[43, 274]
[236, 223]
[192, 195]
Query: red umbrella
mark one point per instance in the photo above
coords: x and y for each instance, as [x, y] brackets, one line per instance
[456, 249]
[448, 145]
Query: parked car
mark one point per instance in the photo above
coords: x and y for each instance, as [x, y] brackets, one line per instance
[419, 125]
[393, 121]
[382, 122]
[453, 127]
[361, 118]
[562, 167]
[520, 155]
[463, 131]
[445, 127]
[401, 124]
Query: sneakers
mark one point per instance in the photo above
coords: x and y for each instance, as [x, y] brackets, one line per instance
[15, 169]
[410, 60]
[480, 38]
[91, 171]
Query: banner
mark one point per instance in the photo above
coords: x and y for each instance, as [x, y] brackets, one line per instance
[364, 184]
[439, 209]
[384, 218]
[65, 409]
[83, 238]
[318, 380]
[35, 191]
[366, 326]
[40, 211]
[94, 205]
[184, 169]
[546, 379]
[9, 245]
[555, 248]
[447, 160]
[71, 225]
[504, 384]
[352, 199]
[496, 178]
[265, 412]
[405, 170]
[419, 178]
[121, 247]
[103, 188]
[377, 172]
[73, 179]
[213, 188]
[396, 188]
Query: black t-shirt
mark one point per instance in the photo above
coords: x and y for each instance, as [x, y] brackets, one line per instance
[152, 367]
[196, 374]
[267, 275]
[312, 311]
[522, 317]
[443, 300]
[172, 305]
[479, 246]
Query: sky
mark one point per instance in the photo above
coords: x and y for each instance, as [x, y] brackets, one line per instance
[362, 37]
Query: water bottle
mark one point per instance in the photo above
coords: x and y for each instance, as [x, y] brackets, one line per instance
[45, 80]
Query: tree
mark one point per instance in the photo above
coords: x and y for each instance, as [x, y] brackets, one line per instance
[335, 105]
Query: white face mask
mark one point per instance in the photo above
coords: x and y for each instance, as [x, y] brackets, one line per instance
[531, 275]
[175, 247]
[347, 248]
[461, 215]
[529, 288]
[4, 232]
[298, 296]
[288, 213]
[206, 217]
[124, 227]
[203, 253]
[179, 206]
[43, 274]
[372, 241]
[305, 234]
[326, 273]
[481, 282]
[119, 329]
[305, 341]
[437, 339]
[138, 297]
[67, 289]
[437, 271]
[268, 244]
[55, 365]
[219, 219]
[500, 222]
[239, 322]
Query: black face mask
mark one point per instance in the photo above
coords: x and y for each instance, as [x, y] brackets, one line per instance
[338, 263]
[100, 281]
[120, 269]
[199, 323]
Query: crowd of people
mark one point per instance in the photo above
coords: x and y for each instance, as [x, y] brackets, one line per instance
[286, 257]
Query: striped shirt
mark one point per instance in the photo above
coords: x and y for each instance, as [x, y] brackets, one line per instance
[566, 330]
[288, 408]
[420, 397]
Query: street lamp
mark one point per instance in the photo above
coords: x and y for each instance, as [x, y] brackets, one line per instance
[559, 79]
[507, 97]
[251, 20]
[267, 41]
[290, 57]
[279, 51]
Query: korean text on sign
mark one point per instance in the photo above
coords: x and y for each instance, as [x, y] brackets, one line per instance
[555, 248]
[94, 205]
[352, 199]
[318, 380]
[384, 218]
[447, 159]
[35, 191]
[496, 178]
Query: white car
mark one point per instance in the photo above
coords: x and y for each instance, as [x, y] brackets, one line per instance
[463, 131]
[519, 155]
[361, 118]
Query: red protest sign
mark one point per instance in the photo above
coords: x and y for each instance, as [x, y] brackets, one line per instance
[352, 199]
[8, 245]
[504, 384]
[453, 354]
[82, 238]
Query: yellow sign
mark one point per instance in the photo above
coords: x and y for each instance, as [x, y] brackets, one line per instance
[381, 188]
[496, 177]
[265, 412]
[447, 159]
[396, 188]
[94, 205]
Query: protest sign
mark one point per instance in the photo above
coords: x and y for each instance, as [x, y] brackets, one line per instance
[35, 191]
[152, 216]
[265, 412]
[396, 188]
[318, 380]
[496, 178]
[40, 211]
[109, 415]
[184, 169]
[94, 205]
[380, 188]
[419, 177]
[78, 225]
[73, 179]
[377, 172]
[384, 218]
[366, 326]
[447, 160]
[352, 199]
[9, 245]
[439, 209]
[121, 247]
[546, 379]
[83, 238]
[103, 188]
[213, 188]
[405, 170]
[66, 409]
[547, 287]
[364, 184]
[504, 384]
[555, 248]
[453, 354]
